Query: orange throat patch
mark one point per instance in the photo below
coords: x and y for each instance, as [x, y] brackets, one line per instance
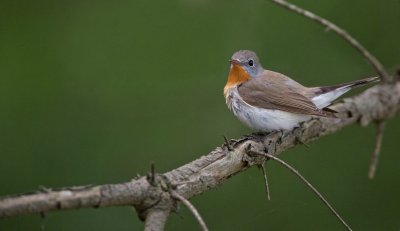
[237, 75]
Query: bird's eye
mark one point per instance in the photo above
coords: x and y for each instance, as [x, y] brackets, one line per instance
[251, 62]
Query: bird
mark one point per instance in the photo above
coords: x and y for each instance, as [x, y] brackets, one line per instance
[268, 101]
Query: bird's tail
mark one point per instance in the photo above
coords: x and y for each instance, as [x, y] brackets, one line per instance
[351, 84]
[323, 96]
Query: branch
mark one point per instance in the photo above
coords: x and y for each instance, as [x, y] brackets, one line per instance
[372, 60]
[375, 104]
[264, 172]
[380, 127]
[150, 195]
[155, 220]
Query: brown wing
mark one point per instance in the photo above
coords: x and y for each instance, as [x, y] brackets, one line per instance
[272, 93]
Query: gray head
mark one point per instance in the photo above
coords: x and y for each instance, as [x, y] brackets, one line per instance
[249, 61]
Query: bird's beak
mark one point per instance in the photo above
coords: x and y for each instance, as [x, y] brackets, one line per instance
[234, 61]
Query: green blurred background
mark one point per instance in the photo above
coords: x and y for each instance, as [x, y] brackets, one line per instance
[92, 91]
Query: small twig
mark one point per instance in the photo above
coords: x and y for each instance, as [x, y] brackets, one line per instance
[43, 220]
[152, 172]
[194, 211]
[262, 166]
[372, 60]
[227, 144]
[380, 127]
[305, 181]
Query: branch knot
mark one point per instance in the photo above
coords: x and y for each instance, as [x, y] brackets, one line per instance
[158, 196]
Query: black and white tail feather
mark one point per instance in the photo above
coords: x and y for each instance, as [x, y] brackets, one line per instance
[326, 95]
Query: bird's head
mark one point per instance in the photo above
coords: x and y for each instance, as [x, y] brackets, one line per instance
[244, 66]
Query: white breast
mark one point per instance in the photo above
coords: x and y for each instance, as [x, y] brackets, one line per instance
[262, 119]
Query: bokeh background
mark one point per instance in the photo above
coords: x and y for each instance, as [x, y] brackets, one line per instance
[92, 91]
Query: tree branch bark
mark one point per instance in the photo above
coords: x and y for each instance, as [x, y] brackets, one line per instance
[155, 220]
[150, 195]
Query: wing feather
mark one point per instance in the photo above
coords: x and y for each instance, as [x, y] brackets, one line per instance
[270, 93]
